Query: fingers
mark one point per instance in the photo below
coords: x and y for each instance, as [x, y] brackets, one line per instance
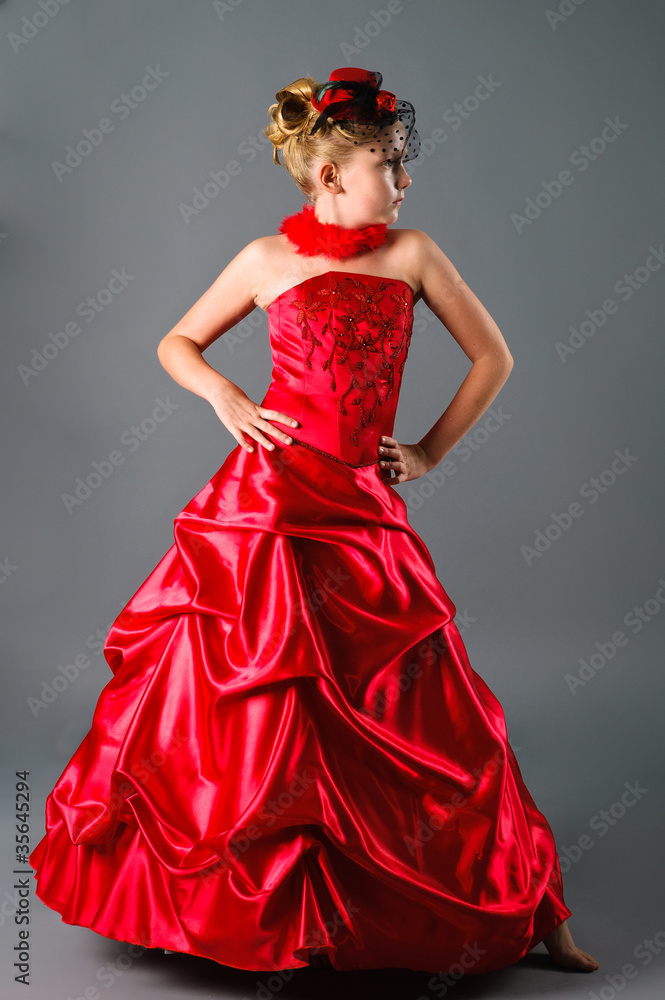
[386, 444]
[389, 454]
[243, 444]
[262, 439]
[282, 418]
[391, 459]
[262, 423]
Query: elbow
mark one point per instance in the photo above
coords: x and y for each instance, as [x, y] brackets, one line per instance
[163, 352]
[497, 367]
[505, 364]
[162, 347]
[499, 362]
[504, 361]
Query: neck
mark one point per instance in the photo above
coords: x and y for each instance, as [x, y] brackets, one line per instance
[331, 214]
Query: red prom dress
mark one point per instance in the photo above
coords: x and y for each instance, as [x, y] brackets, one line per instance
[294, 754]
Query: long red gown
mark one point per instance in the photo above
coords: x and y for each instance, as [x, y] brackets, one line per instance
[294, 752]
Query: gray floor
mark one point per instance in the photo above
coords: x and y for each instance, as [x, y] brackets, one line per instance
[70, 960]
[615, 900]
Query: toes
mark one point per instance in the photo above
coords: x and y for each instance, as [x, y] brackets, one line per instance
[575, 959]
[581, 960]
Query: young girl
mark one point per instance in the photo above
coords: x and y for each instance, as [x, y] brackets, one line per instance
[294, 761]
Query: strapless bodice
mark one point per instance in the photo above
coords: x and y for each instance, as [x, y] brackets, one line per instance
[339, 341]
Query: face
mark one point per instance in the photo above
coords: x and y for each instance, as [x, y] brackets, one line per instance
[369, 185]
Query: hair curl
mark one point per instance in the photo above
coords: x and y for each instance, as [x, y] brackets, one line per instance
[292, 117]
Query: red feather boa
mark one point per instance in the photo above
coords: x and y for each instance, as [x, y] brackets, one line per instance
[311, 237]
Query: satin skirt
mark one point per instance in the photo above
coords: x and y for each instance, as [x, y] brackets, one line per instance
[294, 754]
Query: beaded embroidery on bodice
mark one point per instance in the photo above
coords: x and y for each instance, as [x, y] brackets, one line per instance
[340, 341]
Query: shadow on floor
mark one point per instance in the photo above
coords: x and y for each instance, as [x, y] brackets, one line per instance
[533, 976]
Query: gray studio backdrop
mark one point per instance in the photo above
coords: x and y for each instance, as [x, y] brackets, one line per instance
[541, 177]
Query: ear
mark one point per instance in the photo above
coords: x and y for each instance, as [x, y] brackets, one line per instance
[328, 175]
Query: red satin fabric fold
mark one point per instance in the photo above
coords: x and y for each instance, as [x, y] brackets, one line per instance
[294, 752]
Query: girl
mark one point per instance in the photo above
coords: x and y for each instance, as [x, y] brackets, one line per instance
[294, 761]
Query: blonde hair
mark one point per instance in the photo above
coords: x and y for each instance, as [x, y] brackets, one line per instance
[292, 117]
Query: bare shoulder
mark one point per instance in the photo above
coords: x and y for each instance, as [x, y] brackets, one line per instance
[427, 261]
[249, 262]
[418, 257]
[447, 294]
[230, 298]
[268, 256]
[265, 247]
[259, 253]
[245, 273]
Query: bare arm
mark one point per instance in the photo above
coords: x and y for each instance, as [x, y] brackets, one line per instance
[451, 299]
[228, 300]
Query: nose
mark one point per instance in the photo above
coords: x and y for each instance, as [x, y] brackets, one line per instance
[403, 178]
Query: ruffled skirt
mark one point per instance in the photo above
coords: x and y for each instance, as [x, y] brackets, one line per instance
[294, 753]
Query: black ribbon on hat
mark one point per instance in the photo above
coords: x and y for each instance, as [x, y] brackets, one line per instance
[364, 104]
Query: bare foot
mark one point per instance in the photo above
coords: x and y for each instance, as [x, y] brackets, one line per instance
[565, 952]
